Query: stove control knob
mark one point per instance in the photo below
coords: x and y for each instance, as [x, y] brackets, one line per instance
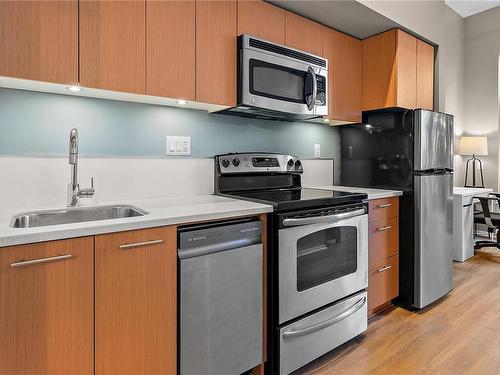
[236, 162]
[298, 164]
[290, 163]
[225, 163]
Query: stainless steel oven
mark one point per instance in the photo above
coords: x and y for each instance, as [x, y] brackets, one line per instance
[323, 257]
[279, 82]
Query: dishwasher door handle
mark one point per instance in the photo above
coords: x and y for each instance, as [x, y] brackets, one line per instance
[199, 251]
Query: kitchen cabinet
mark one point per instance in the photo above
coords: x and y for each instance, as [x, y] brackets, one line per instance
[397, 71]
[425, 75]
[112, 45]
[47, 308]
[39, 40]
[383, 253]
[136, 302]
[303, 34]
[216, 29]
[344, 54]
[170, 49]
[262, 20]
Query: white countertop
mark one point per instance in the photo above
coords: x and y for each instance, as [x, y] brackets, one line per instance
[372, 193]
[466, 192]
[162, 211]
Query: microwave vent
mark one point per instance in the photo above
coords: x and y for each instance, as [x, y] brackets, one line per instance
[287, 52]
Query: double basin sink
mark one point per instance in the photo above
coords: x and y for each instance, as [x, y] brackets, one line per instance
[74, 215]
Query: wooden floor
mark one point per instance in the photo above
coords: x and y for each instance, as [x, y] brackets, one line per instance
[459, 335]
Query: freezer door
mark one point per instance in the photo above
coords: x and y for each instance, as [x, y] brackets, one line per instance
[433, 140]
[433, 238]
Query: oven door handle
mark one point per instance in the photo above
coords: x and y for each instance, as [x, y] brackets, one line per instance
[322, 219]
[326, 323]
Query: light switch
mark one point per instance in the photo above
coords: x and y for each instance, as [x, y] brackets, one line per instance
[178, 145]
[317, 150]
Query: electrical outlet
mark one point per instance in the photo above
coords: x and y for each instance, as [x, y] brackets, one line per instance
[317, 150]
[178, 145]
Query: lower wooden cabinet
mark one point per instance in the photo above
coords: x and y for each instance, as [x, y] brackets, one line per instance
[383, 253]
[383, 283]
[47, 308]
[136, 302]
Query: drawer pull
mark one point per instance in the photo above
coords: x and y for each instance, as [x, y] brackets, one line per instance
[385, 205]
[140, 244]
[387, 227]
[326, 323]
[31, 262]
[384, 269]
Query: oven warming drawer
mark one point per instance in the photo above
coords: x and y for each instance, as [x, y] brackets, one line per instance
[311, 337]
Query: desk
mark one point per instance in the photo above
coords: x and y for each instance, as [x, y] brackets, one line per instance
[463, 221]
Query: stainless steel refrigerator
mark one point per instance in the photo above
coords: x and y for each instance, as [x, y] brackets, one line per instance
[412, 151]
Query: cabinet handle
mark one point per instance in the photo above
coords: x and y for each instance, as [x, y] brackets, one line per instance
[383, 269]
[31, 262]
[140, 244]
[387, 227]
[385, 205]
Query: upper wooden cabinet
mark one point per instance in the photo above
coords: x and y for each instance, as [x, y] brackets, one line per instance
[170, 48]
[112, 45]
[344, 54]
[303, 34]
[390, 67]
[47, 308]
[425, 75]
[136, 302]
[216, 32]
[39, 40]
[262, 20]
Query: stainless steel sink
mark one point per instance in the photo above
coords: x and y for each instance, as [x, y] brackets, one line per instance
[74, 215]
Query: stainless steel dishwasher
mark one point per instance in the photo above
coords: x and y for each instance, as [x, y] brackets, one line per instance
[220, 272]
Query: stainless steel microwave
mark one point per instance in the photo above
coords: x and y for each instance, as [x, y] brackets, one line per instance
[278, 82]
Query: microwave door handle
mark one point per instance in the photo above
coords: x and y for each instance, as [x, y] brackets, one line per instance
[292, 222]
[312, 103]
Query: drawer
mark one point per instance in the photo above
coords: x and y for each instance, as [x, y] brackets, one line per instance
[311, 337]
[383, 282]
[380, 209]
[383, 239]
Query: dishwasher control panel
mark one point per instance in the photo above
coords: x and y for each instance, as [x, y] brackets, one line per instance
[205, 239]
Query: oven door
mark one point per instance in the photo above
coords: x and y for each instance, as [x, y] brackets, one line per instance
[320, 263]
[282, 84]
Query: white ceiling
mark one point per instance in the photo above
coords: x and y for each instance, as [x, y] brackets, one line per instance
[347, 16]
[467, 8]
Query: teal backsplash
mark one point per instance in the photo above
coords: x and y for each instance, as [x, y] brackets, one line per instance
[33, 123]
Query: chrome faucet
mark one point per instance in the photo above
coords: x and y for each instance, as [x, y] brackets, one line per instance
[74, 191]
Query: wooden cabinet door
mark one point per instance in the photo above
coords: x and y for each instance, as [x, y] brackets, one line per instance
[425, 75]
[303, 34]
[39, 40]
[170, 48]
[379, 72]
[262, 20]
[383, 283]
[216, 52]
[112, 45]
[46, 308]
[136, 302]
[406, 74]
[344, 54]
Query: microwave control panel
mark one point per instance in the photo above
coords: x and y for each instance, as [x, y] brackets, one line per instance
[321, 90]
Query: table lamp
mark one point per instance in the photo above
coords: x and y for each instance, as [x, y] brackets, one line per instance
[473, 146]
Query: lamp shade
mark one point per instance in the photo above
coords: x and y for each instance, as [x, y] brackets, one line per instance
[473, 146]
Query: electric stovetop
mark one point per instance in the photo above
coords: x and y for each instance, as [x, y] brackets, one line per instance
[299, 198]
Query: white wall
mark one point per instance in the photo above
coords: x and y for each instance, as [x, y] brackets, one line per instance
[482, 49]
[436, 22]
